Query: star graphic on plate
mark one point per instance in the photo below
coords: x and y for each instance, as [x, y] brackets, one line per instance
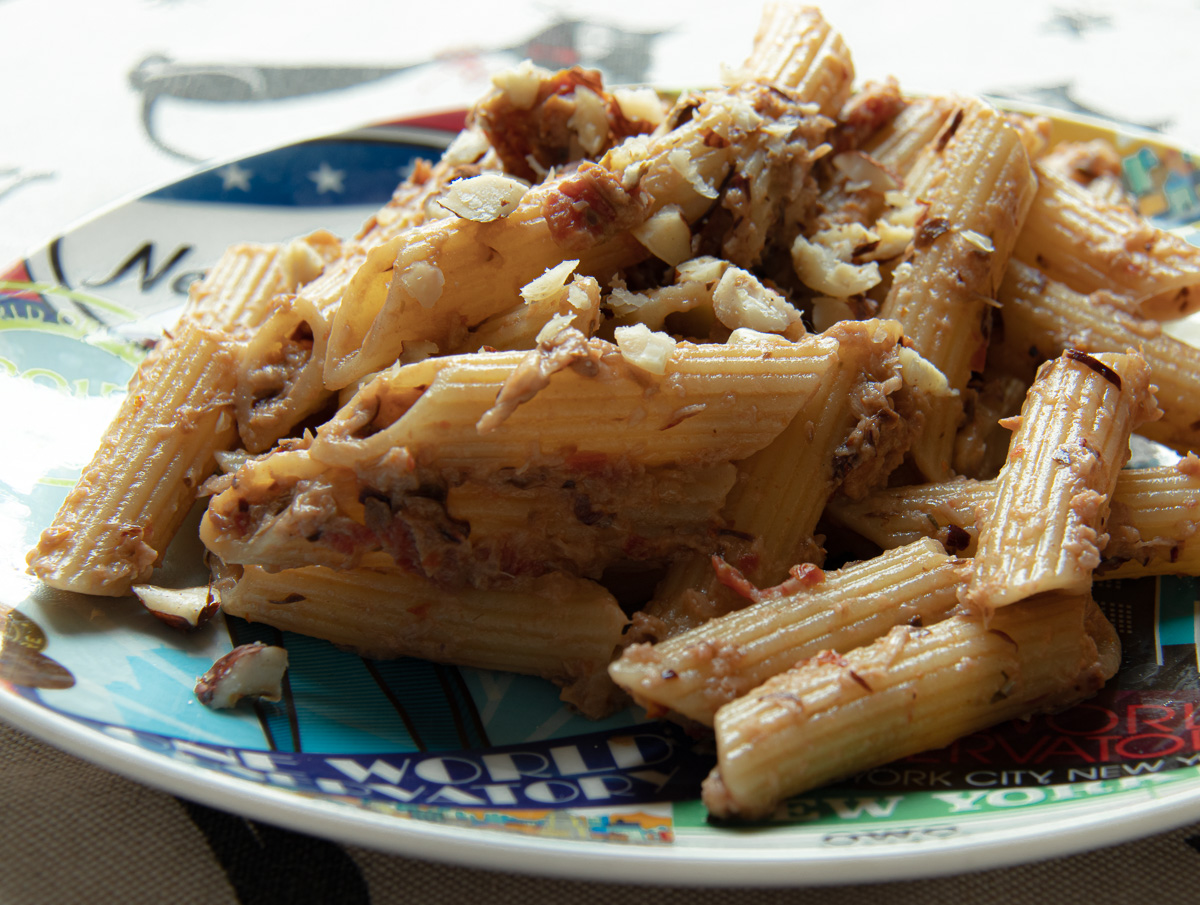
[235, 177]
[328, 179]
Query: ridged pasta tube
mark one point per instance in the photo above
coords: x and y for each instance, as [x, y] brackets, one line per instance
[1152, 526]
[1092, 245]
[1043, 531]
[1043, 317]
[773, 509]
[915, 689]
[796, 48]
[699, 671]
[115, 524]
[979, 194]
[575, 398]
[558, 627]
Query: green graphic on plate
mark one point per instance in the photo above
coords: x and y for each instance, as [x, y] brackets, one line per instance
[25, 306]
[834, 809]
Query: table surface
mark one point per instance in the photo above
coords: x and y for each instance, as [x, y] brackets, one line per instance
[105, 101]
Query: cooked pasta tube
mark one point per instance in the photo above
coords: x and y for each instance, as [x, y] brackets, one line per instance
[555, 626]
[796, 48]
[773, 509]
[1092, 245]
[240, 289]
[899, 144]
[1154, 522]
[1042, 317]
[980, 193]
[578, 399]
[1043, 531]
[912, 690]
[115, 524]
[697, 672]
[895, 516]
[1154, 515]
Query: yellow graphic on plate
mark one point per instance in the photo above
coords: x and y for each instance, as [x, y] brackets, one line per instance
[637, 827]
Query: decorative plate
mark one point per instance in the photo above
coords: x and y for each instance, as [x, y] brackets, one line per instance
[485, 768]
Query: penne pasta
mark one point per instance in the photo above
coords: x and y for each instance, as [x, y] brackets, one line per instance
[773, 510]
[1043, 531]
[1091, 245]
[979, 193]
[914, 689]
[582, 414]
[1042, 318]
[557, 627]
[1151, 528]
[796, 48]
[695, 673]
[115, 524]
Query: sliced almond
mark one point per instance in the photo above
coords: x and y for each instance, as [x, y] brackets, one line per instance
[484, 198]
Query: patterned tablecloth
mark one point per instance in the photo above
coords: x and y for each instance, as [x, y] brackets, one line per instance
[108, 100]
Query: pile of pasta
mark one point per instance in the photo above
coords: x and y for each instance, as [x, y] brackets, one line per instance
[789, 408]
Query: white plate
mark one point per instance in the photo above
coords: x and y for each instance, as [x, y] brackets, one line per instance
[474, 767]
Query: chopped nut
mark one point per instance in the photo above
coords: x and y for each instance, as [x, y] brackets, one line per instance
[919, 372]
[686, 167]
[740, 300]
[468, 146]
[230, 460]
[250, 670]
[521, 83]
[705, 269]
[641, 103]
[644, 349]
[589, 121]
[424, 282]
[624, 301]
[666, 235]
[180, 608]
[979, 240]
[301, 263]
[744, 336]
[553, 327]
[484, 198]
[550, 283]
[863, 170]
[584, 294]
[825, 262]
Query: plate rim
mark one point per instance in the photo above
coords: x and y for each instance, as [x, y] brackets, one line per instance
[703, 864]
